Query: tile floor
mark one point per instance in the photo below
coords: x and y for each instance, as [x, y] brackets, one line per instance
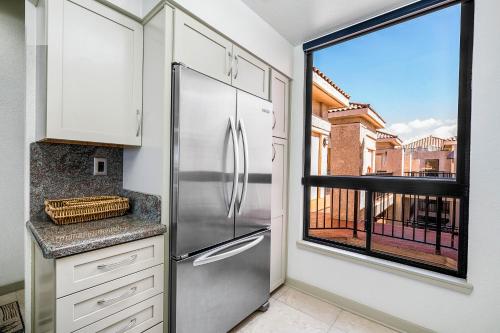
[290, 311]
[14, 296]
[293, 311]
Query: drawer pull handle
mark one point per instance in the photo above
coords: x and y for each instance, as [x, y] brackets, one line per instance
[108, 301]
[115, 265]
[131, 324]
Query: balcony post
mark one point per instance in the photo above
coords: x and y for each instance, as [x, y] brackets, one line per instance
[368, 219]
[438, 222]
[355, 222]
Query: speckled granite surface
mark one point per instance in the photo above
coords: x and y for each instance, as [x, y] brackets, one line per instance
[58, 241]
[66, 171]
[146, 206]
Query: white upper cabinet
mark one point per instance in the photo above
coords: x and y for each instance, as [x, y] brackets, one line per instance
[250, 74]
[94, 74]
[201, 49]
[280, 98]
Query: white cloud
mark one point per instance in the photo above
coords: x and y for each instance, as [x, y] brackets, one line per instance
[423, 127]
[426, 123]
[445, 131]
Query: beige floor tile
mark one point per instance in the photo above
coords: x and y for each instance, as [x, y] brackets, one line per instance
[312, 306]
[281, 318]
[348, 322]
[278, 292]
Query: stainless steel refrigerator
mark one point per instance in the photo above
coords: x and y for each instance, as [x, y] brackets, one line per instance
[220, 203]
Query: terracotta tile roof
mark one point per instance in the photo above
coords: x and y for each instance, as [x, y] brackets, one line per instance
[327, 79]
[352, 106]
[385, 135]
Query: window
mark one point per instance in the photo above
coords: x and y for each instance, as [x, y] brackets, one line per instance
[387, 131]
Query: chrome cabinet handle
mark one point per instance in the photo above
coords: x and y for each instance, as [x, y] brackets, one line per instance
[113, 300]
[228, 63]
[274, 153]
[115, 265]
[131, 324]
[274, 120]
[236, 59]
[213, 256]
[245, 165]
[139, 122]
[236, 157]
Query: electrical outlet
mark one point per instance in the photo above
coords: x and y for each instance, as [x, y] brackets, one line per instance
[100, 166]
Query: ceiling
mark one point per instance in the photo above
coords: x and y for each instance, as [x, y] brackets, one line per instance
[302, 20]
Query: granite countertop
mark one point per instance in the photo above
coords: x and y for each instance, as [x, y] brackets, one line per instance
[57, 241]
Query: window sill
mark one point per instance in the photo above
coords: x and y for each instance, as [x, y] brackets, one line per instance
[441, 280]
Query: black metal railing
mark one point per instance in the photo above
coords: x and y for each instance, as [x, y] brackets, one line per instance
[431, 221]
[428, 173]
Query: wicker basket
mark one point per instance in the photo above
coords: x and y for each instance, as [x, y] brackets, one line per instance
[75, 210]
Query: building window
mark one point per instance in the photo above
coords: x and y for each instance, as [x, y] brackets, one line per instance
[387, 132]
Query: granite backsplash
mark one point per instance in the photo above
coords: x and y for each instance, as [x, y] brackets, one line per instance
[66, 171]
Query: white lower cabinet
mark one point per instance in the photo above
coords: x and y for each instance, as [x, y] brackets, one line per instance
[85, 307]
[278, 251]
[127, 293]
[278, 213]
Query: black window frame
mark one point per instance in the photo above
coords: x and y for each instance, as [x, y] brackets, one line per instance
[457, 188]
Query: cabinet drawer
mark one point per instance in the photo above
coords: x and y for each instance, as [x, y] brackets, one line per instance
[89, 269]
[88, 306]
[135, 319]
[157, 329]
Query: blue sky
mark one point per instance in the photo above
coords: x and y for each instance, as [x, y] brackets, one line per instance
[407, 72]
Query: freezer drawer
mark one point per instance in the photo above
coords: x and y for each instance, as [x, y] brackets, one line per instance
[214, 290]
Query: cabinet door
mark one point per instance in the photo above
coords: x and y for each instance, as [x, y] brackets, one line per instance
[250, 74]
[280, 98]
[94, 74]
[278, 251]
[278, 213]
[278, 194]
[201, 48]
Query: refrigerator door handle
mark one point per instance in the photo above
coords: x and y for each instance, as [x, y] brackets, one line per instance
[212, 256]
[241, 126]
[236, 166]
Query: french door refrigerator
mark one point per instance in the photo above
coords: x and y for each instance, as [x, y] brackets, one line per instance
[220, 203]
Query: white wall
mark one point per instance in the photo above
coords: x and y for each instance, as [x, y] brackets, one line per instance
[428, 305]
[238, 22]
[12, 76]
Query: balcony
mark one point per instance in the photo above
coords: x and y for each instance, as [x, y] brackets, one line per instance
[414, 228]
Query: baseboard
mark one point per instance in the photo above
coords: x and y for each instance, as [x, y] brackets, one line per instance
[11, 287]
[358, 308]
